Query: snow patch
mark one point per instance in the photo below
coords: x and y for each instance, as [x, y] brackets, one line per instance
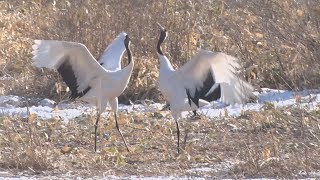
[48, 109]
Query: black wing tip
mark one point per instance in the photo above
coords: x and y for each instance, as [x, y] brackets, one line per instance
[194, 99]
[203, 91]
[75, 94]
[66, 72]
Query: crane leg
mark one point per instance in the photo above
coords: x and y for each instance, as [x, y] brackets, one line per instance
[115, 117]
[95, 132]
[178, 133]
[195, 113]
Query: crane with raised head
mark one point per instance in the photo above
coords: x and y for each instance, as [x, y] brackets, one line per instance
[87, 78]
[207, 77]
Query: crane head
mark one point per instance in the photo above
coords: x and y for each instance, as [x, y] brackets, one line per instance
[163, 33]
[127, 40]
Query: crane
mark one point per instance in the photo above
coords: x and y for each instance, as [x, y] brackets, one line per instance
[87, 79]
[208, 76]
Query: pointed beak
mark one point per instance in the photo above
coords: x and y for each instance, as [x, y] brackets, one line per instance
[162, 28]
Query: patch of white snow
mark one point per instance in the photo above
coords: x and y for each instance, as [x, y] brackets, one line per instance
[47, 109]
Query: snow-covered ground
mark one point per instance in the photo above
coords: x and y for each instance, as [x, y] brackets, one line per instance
[47, 109]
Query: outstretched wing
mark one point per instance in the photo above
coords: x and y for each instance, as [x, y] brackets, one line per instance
[210, 76]
[73, 61]
[111, 57]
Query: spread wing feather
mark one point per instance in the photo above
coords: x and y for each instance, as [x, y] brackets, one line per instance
[211, 76]
[112, 55]
[73, 61]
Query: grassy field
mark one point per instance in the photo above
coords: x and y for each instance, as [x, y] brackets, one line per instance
[278, 42]
[274, 143]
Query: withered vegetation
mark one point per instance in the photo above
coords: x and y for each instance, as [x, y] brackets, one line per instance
[280, 37]
[277, 143]
[277, 41]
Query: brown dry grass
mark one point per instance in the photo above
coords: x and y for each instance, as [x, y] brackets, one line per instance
[280, 36]
[277, 143]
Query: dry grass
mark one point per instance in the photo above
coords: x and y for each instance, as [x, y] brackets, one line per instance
[280, 36]
[278, 143]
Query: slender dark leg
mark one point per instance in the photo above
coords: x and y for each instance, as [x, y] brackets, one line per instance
[185, 139]
[115, 117]
[178, 133]
[95, 132]
[195, 113]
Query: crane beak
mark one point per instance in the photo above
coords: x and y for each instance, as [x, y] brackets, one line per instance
[161, 28]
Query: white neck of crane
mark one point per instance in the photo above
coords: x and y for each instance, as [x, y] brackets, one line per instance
[165, 65]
